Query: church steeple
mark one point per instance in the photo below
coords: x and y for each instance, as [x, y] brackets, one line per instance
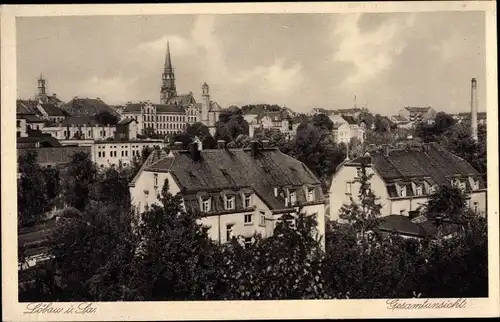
[41, 88]
[168, 88]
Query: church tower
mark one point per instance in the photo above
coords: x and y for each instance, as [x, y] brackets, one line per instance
[205, 103]
[41, 88]
[168, 79]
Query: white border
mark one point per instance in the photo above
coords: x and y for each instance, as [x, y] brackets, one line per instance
[222, 310]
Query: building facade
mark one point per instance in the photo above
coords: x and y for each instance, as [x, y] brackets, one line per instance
[239, 192]
[412, 115]
[404, 178]
[278, 121]
[346, 128]
[175, 112]
[108, 153]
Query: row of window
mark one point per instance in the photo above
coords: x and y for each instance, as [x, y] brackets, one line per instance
[167, 118]
[165, 126]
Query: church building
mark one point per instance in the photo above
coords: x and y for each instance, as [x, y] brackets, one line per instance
[175, 111]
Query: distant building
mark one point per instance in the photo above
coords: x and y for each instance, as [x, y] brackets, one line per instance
[417, 114]
[465, 116]
[27, 118]
[279, 121]
[89, 107]
[57, 156]
[404, 178]
[127, 129]
[346, 128]
[239, 192]
[80, 128]
[43, 98]
[108, 153]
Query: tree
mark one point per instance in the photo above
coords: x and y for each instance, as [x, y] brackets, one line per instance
[174, 256]
[322, 121]
[79, 176]
[53, 185]
[446, 201]
[32, 199]
[230, 125]
[115, 179]
[362, 214]
[199, 130]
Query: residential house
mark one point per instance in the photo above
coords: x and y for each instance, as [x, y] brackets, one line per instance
[417, 114]
[279, 121]
[81, 128]
[404, 178]
[27, 117]
[401, 121]
[346, 128]
[239, 192]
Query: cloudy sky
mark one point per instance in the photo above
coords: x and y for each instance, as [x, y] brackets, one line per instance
[302, 61]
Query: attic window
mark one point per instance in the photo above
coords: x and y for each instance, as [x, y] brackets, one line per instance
[205, 204]
[310, 194]
[402, 191]
[418, 189]
[475, 183]
[230, 202]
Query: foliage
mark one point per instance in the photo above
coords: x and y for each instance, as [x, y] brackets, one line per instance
[322, 121]
[79, 176]
[260, 108]
[231, 124]
[446, 201]
[32, 199]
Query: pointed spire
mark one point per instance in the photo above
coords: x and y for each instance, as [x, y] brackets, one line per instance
[168, 60]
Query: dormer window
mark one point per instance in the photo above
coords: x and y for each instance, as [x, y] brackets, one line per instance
[310, 194]
[432, 189]
[475, 184]
[247, 200]
[292, 197]
[205, 204]
[402, 191]
[229, 202]
[418, 190]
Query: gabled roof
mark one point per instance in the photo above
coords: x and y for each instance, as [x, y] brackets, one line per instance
[215, 107]
[435, 163]
[87, 106]
[26, 107]
[420, 228]
[31, 118]
[415, 109]
[30, 141]
[81, 120]
[349, 119]
[184, 99]
[235, 169]
[126, 121]
[52, 110]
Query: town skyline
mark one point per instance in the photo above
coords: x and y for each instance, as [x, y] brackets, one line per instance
[365, 55]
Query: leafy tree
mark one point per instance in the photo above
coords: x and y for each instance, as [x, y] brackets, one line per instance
[287, 265]
[276, 139]
[322, 121]
[362, 214]
[32, 199]
[174, 256]
[79, 176]
[242, 141]
[115, 179]
[199, 130]
[230, 125]
[447, 201]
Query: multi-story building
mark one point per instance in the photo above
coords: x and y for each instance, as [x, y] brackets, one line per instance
[405, 177]
[107, 153]
[346, 128]
[80, 128]
[416, 114]
[175, 111]
[239, 192]
[27, 118]
[279, 121]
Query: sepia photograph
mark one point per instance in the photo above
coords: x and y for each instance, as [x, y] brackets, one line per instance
[260, 156]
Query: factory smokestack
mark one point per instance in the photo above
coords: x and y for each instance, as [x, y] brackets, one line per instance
[473, 109]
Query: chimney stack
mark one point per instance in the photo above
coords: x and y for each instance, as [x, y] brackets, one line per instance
[386, 148]
[221, 144]
[473, 109]
[253, 148]
[195, 152]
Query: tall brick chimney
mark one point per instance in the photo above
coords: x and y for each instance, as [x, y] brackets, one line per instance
[473, 109]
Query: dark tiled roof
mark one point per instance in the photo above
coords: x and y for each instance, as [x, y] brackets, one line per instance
[182, 100]
[436, 163]
[399, 118]
[215, 107]
[26, 107]
[235, 169]
[31, 118]
[417, 109]
[134, 107]
[52, 110]
[126, 121]
[169, 108]
[349, 119]
[417, 228]
[30, 141]
[87, 107]
[81, 120]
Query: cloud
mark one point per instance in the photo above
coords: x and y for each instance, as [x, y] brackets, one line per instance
[112, 90]
[274, 79]
[370, 52]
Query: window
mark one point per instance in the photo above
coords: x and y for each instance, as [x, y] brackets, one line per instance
[310, 194]
[229, 232]
[262, 221]
[418, 190]
[403, 191]
[123, 153]
[156, 179]
[99, 154]
[432, 189]
[18, 123]
[247, 200]
[229, 202]
[292, 196]
[359, 172]
[103, 154]
[248, 218]
[476, 184]
[348, 188]
[476, 206]
[291, 222]
[248, 241]
[205, 204]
